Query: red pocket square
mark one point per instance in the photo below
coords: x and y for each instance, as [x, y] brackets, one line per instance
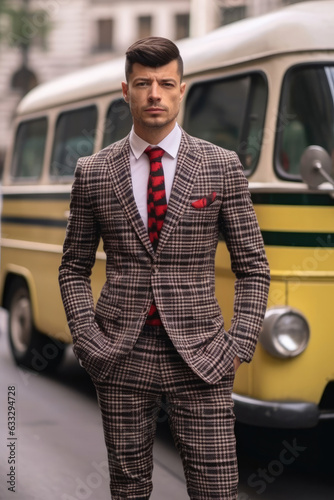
[204, 202]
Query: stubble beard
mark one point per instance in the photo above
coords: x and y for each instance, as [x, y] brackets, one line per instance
[156, 124]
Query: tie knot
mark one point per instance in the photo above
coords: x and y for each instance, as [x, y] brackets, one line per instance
[154, 154]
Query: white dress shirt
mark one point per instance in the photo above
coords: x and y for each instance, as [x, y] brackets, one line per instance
[140, 166]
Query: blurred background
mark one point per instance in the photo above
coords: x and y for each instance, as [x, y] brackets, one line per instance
[44, 39]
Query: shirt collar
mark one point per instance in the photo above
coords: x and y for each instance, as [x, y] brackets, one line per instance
[170, 144]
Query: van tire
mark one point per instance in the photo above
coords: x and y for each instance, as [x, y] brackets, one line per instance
[29, 347]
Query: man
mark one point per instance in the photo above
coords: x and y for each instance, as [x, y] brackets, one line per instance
[157, 328]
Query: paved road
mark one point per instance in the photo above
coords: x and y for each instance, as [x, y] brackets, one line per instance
[60, 455]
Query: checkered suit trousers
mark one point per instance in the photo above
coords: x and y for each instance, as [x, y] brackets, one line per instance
[200, 415]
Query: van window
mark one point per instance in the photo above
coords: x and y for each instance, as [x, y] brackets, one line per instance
[306, 116]
[118, 122]
[230, 113]
[74, 137]
[29, 149]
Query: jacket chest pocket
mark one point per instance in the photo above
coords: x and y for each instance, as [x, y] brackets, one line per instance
[205, 214]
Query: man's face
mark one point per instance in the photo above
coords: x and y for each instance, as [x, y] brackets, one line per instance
[154, 96]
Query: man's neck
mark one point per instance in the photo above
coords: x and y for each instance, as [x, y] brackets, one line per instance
[153, 135]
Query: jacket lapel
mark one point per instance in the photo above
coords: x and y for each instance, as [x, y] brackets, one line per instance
[188, 166]
[120, 174]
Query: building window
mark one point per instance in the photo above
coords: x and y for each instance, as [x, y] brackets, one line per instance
[182, 26]
[105, 34]
[144, 26]
[231, 14]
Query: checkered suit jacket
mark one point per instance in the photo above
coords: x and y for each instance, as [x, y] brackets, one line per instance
[180, 275]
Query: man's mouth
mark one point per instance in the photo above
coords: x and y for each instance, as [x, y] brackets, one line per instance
[153, 109]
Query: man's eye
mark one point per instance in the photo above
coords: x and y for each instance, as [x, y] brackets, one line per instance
[142, 84]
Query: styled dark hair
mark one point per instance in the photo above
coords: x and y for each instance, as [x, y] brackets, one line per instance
[152, 51]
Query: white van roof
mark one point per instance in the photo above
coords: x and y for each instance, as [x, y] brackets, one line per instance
[306, 26]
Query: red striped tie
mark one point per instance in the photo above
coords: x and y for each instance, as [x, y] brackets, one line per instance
[156, 209]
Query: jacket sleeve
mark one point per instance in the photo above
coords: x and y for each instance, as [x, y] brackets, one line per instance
[244, 241]
[81, 242]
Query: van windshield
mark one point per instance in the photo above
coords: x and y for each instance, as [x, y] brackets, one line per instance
[306, 117]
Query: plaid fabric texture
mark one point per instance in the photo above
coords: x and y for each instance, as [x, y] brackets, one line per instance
[179, 276]
[201, 418]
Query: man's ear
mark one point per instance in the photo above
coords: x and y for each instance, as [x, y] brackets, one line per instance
[183, 89]
[125, 89]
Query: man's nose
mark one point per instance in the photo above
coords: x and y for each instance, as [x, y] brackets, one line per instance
[155, 94]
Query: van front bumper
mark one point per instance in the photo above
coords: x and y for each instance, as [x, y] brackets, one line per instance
[279, 414]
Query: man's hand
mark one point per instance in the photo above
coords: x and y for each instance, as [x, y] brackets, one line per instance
[236, 363]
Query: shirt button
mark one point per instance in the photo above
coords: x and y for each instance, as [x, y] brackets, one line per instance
[155, 269]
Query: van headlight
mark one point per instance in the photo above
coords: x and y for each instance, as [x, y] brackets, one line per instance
[285, 332]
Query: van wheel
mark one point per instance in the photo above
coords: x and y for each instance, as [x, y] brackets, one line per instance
[29, 347]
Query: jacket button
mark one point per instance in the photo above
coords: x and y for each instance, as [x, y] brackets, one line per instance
[155, 269]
